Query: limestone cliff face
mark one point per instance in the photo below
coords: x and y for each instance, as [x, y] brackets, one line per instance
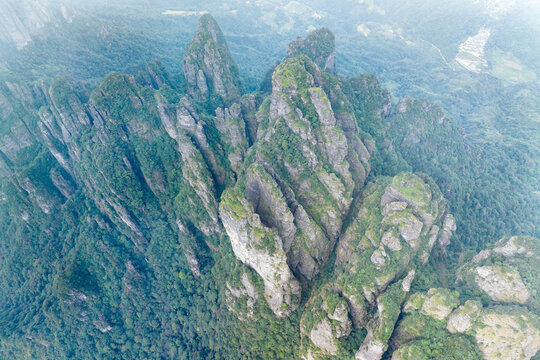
[19, 105]
[62, 123]
[213, 80]
[394, 228]
[208, 66]
[303, 170]
[324, 321]
[260, 248]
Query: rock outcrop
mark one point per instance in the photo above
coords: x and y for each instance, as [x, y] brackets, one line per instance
[208, 66]
[242, 297]
[262, 249]
[491, 333]
[438, 303]
[396, 226]
[324, 322]
[396, 223]
[462, 319]
[503, 273]
[302, 175]
[300, 185]
[319, 46]
[507, 334]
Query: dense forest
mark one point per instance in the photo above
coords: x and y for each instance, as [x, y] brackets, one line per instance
[164, 195]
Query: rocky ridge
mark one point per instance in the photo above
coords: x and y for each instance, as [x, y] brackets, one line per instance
[284, 185]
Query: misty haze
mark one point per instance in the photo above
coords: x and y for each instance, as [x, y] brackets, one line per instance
[268, 179]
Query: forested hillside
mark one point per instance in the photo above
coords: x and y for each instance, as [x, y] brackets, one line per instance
[158, 213]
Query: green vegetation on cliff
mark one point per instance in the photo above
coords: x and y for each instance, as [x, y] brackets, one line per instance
[176, 217]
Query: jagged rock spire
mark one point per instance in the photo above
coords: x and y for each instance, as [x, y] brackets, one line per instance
[208, 66]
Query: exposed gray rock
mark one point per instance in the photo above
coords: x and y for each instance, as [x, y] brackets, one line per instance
[322, 337]
[208, 66]
[231, 125]
[381, 325]
[502, 284]
[327, 322]
[196, 173]
[378, 257]
[439, 303]
[448, 228]
[507, 335]
[246, 293]
[391, 241]
[462, 319]
[512, 247]
[261, 249]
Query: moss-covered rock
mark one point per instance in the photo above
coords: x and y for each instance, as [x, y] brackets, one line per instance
[439, 303]
[319, 45]
[507, 333]
[395, 227]
[208, 66]
[505, 273]
[381, 325]
[324, 322]
[450, 347]
[463, 318]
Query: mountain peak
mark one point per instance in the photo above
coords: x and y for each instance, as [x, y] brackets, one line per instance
[319, 45]
[209, 25]
[208, 66]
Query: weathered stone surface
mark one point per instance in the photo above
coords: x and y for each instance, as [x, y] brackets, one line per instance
[507, 335]
[449, 226]
[325, 320]
[462, 319]
[391, 240]
[260, 248]
[378, 257]
[322, 337]
[390, 229]
[502, 284]
[196, 173]
[381, 325]
[230, 123]
[414, 302]
[439, 303]
[208, 66]
[516, 246]
[247, 293]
